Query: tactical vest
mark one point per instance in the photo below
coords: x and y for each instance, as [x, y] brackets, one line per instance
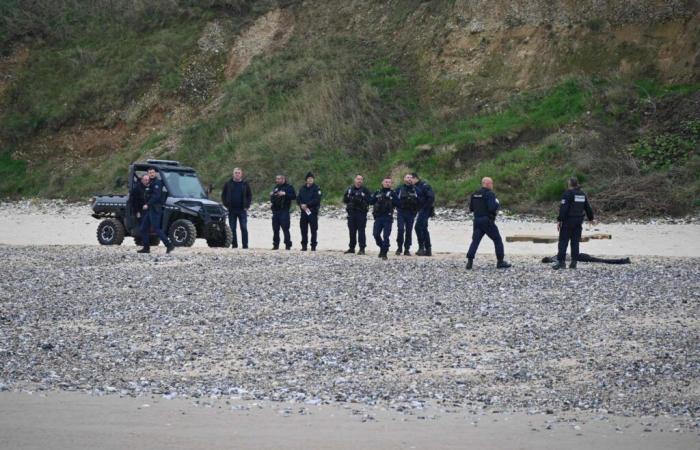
[408, 198]
[578, 200]
[384, 203]
[479, 205]
[358, 200]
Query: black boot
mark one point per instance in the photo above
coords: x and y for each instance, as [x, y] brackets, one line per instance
[170, 247]
[234, 245]
[428, 252]
[502, 264]
[470, 263]
[382, 254]
[349, 251]
[406, 253]
[398, 251]
[313, 248]
[275, 246]
[288, 247]
[572, 264]
[421, 251]
[144, 250]
[361, 252]
[303, 248]
[559, 265]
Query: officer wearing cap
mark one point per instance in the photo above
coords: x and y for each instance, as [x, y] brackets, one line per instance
[484, 204]
[574, 206]
[356, 199]
[309, 201]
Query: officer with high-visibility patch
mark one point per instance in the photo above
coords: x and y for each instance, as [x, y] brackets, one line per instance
[484, 204]
[572, 210]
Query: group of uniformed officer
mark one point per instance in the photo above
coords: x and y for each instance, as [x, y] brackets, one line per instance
[413, 201]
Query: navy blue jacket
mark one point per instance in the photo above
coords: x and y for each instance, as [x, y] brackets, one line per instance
[236, 194]
[574, 204]
[284, 202]
[407, 197]
[137, 198]
[426, 195]
[154, 194]
[483, 203]
[310, 196]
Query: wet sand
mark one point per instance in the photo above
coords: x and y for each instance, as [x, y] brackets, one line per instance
[61, 420]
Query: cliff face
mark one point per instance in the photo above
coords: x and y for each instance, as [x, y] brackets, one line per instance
[452, 88]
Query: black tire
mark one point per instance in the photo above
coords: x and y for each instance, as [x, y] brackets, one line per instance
[110, 232]
[182, 233]
[219, 242]
[155, 240]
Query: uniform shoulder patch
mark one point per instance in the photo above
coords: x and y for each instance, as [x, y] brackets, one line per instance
[563, 201]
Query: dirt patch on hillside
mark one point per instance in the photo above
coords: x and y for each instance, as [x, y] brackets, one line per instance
[268, 33]
[9, 66]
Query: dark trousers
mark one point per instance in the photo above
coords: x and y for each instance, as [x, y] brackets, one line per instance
[152, 217]
[570, 231]
[357, 222]
[309, 221]
[280, 219]
[422, 232]
[485, 226]
[405, 225]
[382, 231]
[239, 215]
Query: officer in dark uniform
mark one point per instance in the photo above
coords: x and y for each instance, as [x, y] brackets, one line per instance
[153, 213]
[237, 197]
[574, 205]
[137, 197]
[485, 206]
[281, 198]
[384, 201]
[426, 211]
[356, 199]
[309, 200]
[409, 204]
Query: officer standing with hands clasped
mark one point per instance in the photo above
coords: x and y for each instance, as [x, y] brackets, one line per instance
[309, 200]
[426, 197]
[408, 206]
[485, 206]
[237, 197]
[153, 213]
[574, 205]
[281, 198]
[384, 201]
[356, 199]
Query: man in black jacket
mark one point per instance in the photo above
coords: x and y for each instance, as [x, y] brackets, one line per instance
[309, 200]
[408, 206]
[484, 204]
[574, 206]
[137, 197]
[153, 213]
[356, 199]
[281, 198]
[237, 197]
[384, 201]
[426, 196]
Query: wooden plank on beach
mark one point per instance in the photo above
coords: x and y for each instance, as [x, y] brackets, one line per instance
[550, 239]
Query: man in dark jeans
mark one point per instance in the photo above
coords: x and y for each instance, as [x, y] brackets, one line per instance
[237, 197]
[281, 198]
[153, 213]
[357, 199]
[572, 210]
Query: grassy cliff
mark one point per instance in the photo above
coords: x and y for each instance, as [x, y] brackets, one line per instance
[452, 90]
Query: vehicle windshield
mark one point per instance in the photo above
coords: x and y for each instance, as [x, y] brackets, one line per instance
[183, 184]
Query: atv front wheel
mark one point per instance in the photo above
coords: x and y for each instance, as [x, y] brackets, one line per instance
[182, 233]
[110, 232]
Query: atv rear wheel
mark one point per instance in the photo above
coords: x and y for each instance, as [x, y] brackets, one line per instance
[110, 232]
[182, 233]
[223, 240]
